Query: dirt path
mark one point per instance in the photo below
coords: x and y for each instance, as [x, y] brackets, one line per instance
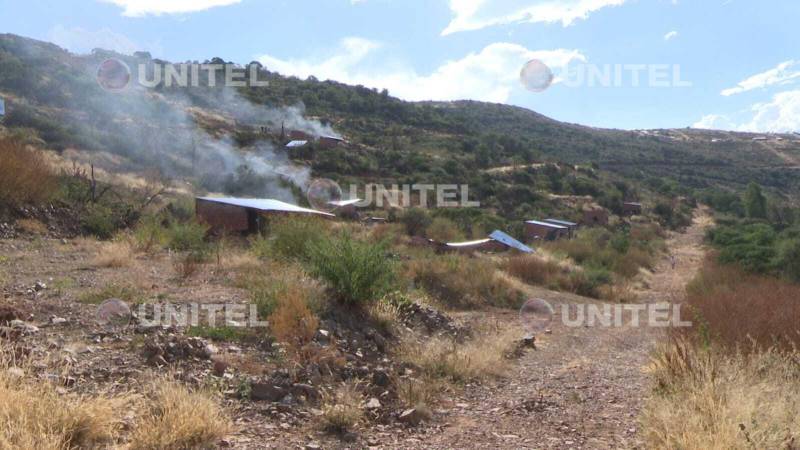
[582, 388]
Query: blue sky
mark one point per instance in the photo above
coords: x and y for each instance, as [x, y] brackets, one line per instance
[738, 60]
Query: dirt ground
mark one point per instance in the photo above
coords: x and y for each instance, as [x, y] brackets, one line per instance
[581, 388]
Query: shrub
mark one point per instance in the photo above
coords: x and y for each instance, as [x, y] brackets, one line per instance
[114, 255]
[291, 238]
[535, 270]
[188, 236]
[444, 230]
[292, 321]
[177, 418]
[416, 221]
[269, 282]
[341, 410]
[356, 271]
[149, 235]
[462, 282]
[25, 177]
[100, 221]
[221, 334]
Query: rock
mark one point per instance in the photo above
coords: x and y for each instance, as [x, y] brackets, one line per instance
[25, 328]
[529, 341]
[219, 368]
[411, 417]
[210, 350]
[267, 392]
[58, 320]
[234, 349]
[313, 446]
[380, 378]
[305, 390]
[39, 286]
[373, 403]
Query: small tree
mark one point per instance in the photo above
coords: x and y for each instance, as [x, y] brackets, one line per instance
[755, 204]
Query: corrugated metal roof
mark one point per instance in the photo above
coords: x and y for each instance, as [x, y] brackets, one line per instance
[264, 204]
[467, 244]
[504, 238]
[546, 224]
[294, 144]
[562, 222]
[352, 201]
[2, 107]
[632, 203]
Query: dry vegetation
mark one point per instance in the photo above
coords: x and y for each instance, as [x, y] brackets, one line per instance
[341, 409]
[25, 176]
[707, 399]
[114, 254]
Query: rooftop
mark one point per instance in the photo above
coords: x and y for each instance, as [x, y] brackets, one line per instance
[546, 224]
[264, 204]
[504, 238]
[561, 222]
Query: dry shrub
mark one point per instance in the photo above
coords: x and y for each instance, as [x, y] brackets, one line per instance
[483, 356]
[444, 230]
[25, 177]
[34, 416]
[420, 394]
[187, 265]
[267, 282]
[293, 322]
[32, 226]
[341, 409]
[621, 292]
[176, 418]
[535, 270]
[114, 255]
[463, 282]
[708, 399]
[734, 308]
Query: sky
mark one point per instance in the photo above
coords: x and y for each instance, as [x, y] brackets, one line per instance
[630, 64]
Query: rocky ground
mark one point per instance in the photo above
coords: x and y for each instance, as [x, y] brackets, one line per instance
[581, 388]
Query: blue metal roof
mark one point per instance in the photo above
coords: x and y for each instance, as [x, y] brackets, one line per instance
[562, 222]
[504, 238]
[294, 144]
[2, 107]
[546, 224]
[264, 204]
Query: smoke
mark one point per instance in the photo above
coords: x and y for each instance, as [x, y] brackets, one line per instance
[152, 128]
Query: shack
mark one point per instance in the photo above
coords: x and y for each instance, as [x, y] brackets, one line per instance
[296, 144]
[496, 242]
[245, 215]
[571, 226]
[632, 209]
[329, 141]
[595, 216]
[345, 208]
[536, 230]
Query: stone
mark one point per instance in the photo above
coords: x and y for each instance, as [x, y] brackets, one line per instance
[411, 417]
[210, 350]
[305, 390]
[380, 378]
[373, 403]
[58, 320]
[219, 368]
[267, 392]
[39, 286]
[313, 446]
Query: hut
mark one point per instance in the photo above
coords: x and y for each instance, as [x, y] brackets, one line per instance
[536, 230]
[595, 216]
[571, 226]
[632, 209]
[330, 141]
[244, 215]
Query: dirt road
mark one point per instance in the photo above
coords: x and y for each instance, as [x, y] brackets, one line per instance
[582, 388]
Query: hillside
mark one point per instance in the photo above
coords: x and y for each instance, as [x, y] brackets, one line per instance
[196, 131]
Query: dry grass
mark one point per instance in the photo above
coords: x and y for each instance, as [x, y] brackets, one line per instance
[538, 271]
[293, 322]
[707, 399]
[25, 176]
[32, 226]
[176, 418]
[483, 356]
[462, 282]
[420, 394]
[33, 415]
[735, 308]
[113, 255]
[341, 409]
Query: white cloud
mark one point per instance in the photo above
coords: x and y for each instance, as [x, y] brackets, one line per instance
[785, 73]
[779, 115]
[79, 40]
[470, 15]
[488, 75]
[671, 35]
[139, 8]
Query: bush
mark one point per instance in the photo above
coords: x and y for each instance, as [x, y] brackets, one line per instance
[356, 271]
[444, 230]
[292, 321]
[149, 234]
[99, 221]
[269, 282]
[535, 270]
[462, 282]
[291, 238]
[188, 236]
[416, 221]
[25, 177]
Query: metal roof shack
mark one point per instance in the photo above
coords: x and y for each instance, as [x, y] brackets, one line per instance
[509, 241]
[346, 208]
[572, 226]
[631, 208]
[296, 144]
[330, 141]
[545, 231]
[244, 215]
[495, 243]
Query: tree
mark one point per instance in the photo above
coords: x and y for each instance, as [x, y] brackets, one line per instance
[755, 204]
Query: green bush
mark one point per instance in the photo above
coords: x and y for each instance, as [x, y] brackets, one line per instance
[99, 220]
[416, 221]
[291, 238]
[588, 282]
[149, 234]
[357, 272]
[188, 236]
